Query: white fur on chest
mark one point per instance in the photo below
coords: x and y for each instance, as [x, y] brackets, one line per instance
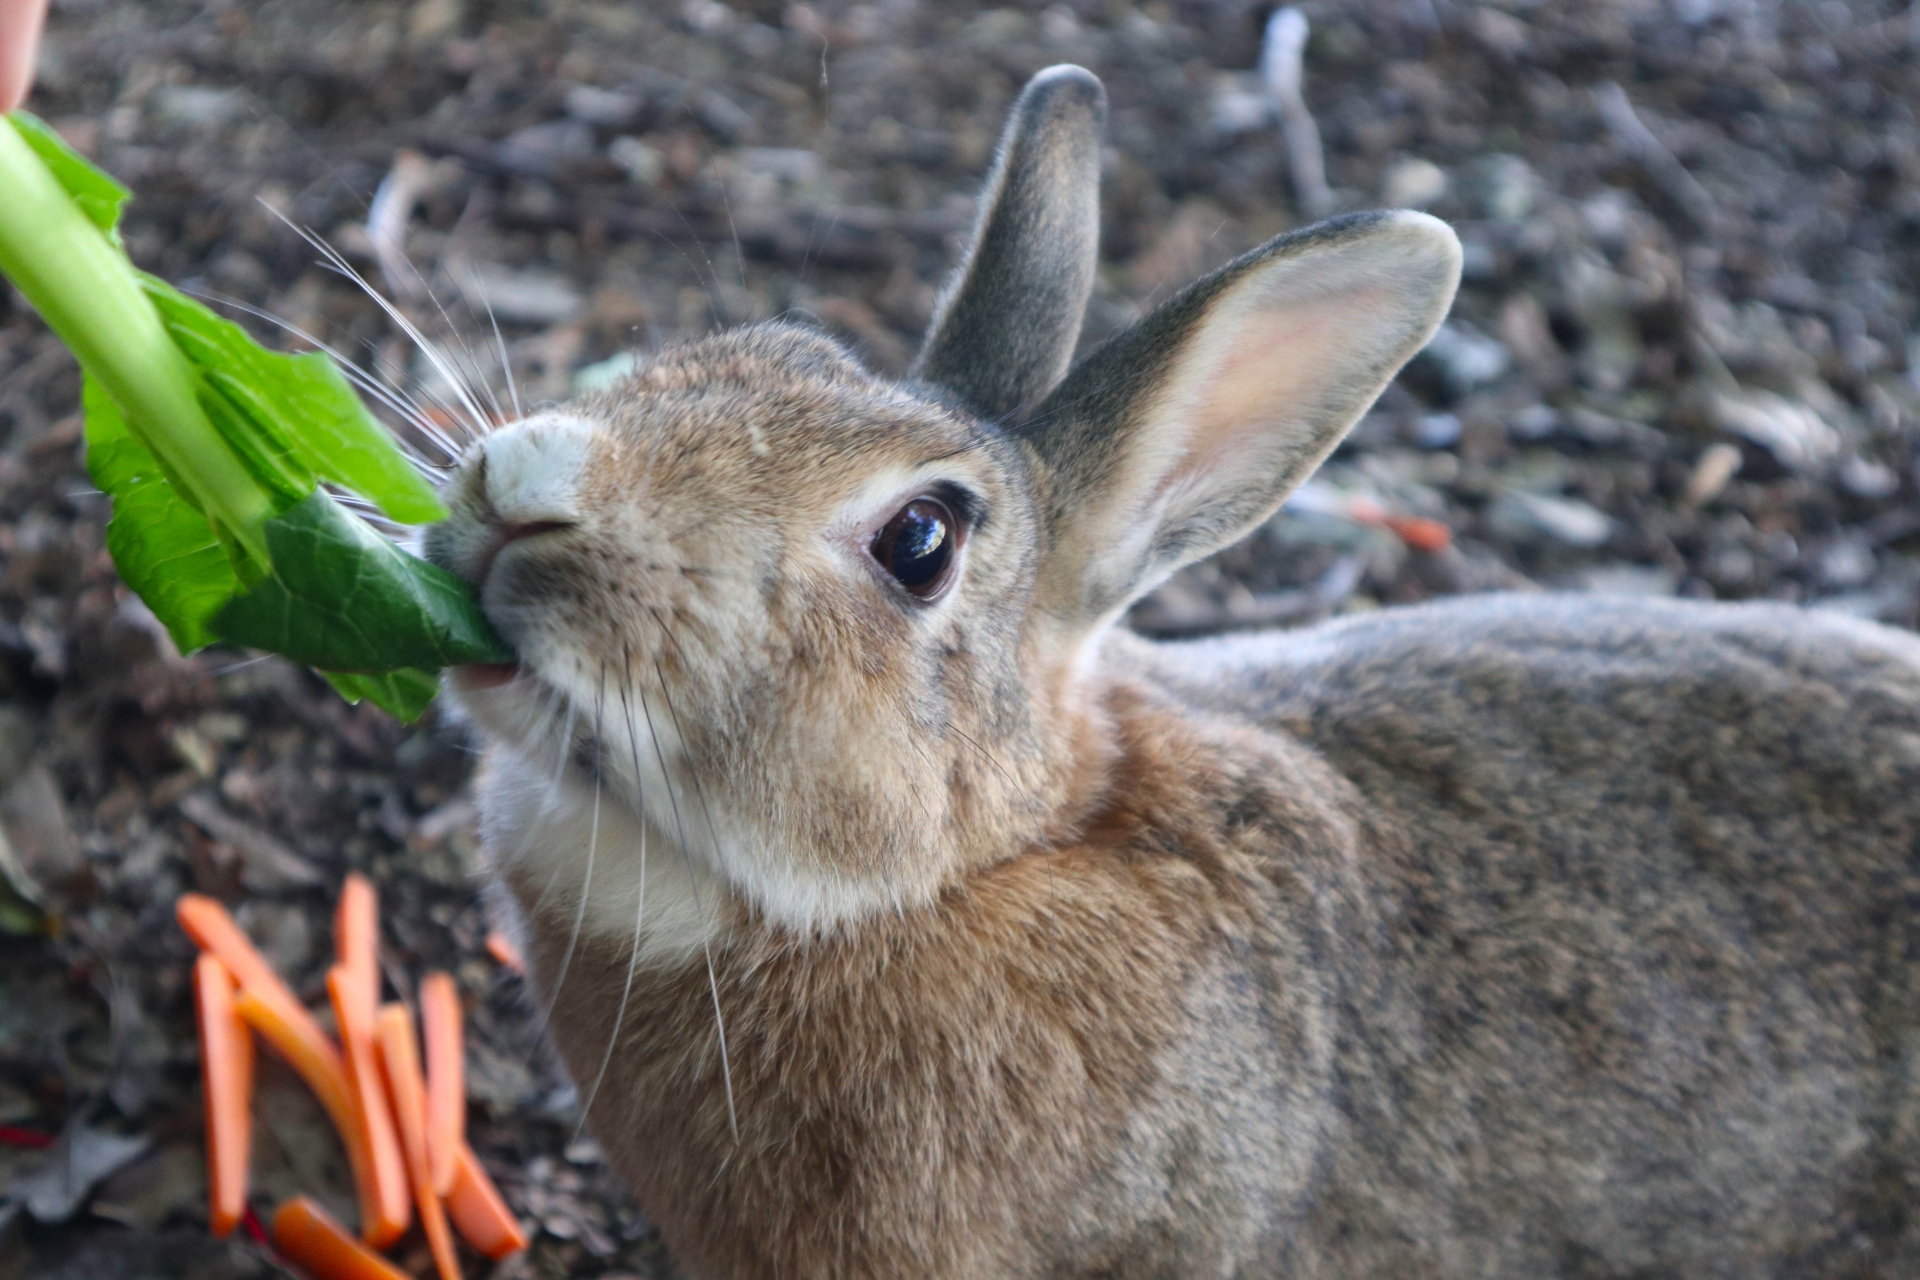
[593, 859]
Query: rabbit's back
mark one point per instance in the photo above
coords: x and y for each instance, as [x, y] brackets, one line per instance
[1644, 992]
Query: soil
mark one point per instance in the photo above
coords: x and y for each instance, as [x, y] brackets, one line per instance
[1680, 364]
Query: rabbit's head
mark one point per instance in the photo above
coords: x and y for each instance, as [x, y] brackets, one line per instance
[824, 641]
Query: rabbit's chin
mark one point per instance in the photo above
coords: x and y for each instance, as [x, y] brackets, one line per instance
[574, 850]
[571, 831]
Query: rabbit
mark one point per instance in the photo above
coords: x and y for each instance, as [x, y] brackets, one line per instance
[899, 913]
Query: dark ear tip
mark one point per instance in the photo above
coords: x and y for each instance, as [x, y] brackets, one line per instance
[1061, 86]
[1420, 239]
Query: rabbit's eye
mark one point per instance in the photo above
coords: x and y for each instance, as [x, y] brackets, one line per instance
[917, 546]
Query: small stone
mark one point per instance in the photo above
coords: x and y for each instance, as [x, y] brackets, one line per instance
[39, 853]
[1240, 106]
[1608, 216]
[1412, 184]
[1846, 562]
[1629, 580]
[721, 114]
[1565, 520]
[1436, 430]
[197, 106]
[644, 164]
[1794, 435]
[794, 165]
[606, 373]
[525, 297]
[1466, 357]
[537, 145]
[432, 19]
[1502, 187]
[1718, 463]
[1865, 478]
[1535, 422]
[607, 108]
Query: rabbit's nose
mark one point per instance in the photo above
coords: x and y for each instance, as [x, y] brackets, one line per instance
[534, 472]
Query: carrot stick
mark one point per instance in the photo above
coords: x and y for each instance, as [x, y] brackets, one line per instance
[478, 1212]
[1420, 533]
[502, 949]
[226, 1078]
[320, 1065]
[356, 936]
[212, 929]
[392, 1204]
[400, 1056]
[309, 1236]
[446, 1078]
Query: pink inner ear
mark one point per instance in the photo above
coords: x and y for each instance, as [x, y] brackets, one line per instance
[1277, 367]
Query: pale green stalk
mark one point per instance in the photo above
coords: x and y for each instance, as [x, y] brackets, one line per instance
[86, 291]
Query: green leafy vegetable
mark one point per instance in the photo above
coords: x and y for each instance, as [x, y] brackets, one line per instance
[165, 550]
[404, 693]
[98, 195]
[294, 415]
[216, 452]
[343, 598]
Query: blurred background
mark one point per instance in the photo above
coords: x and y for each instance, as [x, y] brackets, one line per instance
[1680, 364]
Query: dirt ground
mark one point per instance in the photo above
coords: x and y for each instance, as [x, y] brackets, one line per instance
[1680, 364]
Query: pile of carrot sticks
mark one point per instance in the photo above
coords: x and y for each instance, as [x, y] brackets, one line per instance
[403, 1126]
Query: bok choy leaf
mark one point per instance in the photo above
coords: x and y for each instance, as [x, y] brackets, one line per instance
[221, 457]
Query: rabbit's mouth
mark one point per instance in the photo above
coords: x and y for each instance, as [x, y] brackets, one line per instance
[486, 675]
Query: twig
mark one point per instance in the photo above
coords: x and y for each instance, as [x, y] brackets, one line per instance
[1282, 54]
[399, 191]
[1640, 145]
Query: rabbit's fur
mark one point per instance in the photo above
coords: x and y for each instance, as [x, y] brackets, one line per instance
[1499, 937]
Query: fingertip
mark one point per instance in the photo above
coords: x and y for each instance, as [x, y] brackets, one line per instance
[21, 22]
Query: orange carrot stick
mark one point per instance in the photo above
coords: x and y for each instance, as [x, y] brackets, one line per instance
[309, 1236]
[226, 1077]
[400, 1056]
[502, 948]
[446, 1078]
[319, 1064]
[212, 929]
[1420, 533]
[478, 1212]
[356, 935]
[392, 1202]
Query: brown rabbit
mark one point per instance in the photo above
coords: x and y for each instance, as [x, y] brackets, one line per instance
[903, 916]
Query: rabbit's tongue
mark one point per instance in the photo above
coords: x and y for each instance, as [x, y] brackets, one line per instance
[486, 675]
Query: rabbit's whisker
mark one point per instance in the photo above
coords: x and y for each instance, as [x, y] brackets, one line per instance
[563, 745]
[711, 285]
[1019, 787]
[362, 379]
[549, 714]
[680, 832]
[473, 368]
[506, 364]
[338, 262]
[639, 912]
[472, 373]
[593, 843]
[420, 416]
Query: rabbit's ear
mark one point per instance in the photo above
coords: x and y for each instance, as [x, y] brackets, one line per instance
[1005, 328]
[1181, 434]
